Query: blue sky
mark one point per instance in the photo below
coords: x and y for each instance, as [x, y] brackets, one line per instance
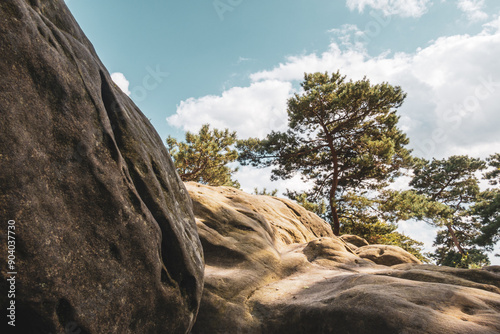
[234, 63]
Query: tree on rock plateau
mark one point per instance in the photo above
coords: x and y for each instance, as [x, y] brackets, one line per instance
[342, 136]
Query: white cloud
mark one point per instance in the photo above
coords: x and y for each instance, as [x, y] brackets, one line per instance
[251, 178]
[403, 8]
[250, 111]
[453, 88]
[473, 9]
[420, 231]
[492, 26]
[122, 82]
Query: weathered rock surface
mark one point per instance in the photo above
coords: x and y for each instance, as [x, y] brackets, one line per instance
[353, 241]
[106, 240]
[273, 267]
[386, 255]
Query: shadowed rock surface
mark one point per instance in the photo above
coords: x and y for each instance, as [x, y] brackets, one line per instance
[353, 241]
[273, 267]
[106, 238]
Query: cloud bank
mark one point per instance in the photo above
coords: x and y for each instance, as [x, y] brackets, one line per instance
[250, 111]
[453, 88]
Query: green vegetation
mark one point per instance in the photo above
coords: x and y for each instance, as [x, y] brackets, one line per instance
[343, 139]
[204, 157]
[453, 183]
[342, 136]
[318, 208]
[264, 192]
[375, 219]
[486, 210]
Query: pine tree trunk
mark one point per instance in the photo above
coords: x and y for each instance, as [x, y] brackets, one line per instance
[336, 222]
[333, 207]
[455, 239]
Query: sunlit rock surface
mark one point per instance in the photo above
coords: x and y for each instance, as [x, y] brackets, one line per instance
[273, 267]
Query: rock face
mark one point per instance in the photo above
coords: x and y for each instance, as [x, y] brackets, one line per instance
[106, 240]
[273, 267]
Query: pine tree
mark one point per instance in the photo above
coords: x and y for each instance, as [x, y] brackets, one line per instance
[375, 218]
[205, 156]
[342, 136]
[486, 210]
[452, 183]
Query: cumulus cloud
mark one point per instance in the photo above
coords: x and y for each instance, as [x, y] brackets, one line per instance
[122, 82]
[250, 111]
[453, 88]
[473, 9]
[403, 8]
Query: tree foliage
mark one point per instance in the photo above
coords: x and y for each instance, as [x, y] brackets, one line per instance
[410, 245]
[486, 211]
[265, 192]
[204, 157]
[342, 136]
[451, 185]
[318, 208]
[494, 174]
[375, 219]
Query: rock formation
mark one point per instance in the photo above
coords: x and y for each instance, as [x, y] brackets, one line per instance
[106, 240]
[105, 235]
[273, 267]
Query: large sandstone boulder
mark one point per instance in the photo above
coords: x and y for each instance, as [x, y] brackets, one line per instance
[106, 240]
[273, 267]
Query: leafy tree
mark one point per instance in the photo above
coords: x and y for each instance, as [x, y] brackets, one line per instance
[486, 210]
[342, 136]
[408, 204]
[452, 183]
[410, 245]
[204, 156]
